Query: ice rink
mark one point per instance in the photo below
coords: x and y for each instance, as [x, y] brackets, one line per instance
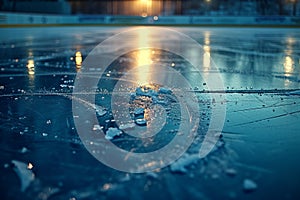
[256, 155]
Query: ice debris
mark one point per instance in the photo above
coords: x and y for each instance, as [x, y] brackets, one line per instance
[127, 126]
[141, 122]
[183, 162]
[112, 132]
[97, 127]
[100, 110]
[163, 90]
[24, 150]
[143, 92]
[139, 111]
[230, 172]
[249, 185]
[25, 175]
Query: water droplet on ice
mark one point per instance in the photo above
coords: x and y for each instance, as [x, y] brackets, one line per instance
[249, 185]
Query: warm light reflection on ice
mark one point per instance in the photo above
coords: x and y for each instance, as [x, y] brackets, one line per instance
[30, 66]
[206, 48]
[78, 59]
[288, 65]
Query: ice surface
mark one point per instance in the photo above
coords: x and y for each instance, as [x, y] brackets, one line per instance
[296, 92]
[249, 185]
[112, 132]
[255, 73]
[25, 175]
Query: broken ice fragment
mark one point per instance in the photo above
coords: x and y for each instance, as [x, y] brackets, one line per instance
[100, 111]
[249, 185]
[230, 172]
[112, 132]
[126, 126]
[139, 111]
[149, 93]
[25, 175]
[24, 150]
[97, 127]
[181, 164]
[164, 90]
[141, 122]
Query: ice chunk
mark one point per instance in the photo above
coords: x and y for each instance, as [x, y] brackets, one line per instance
[25, 175]
[141, 122]
[100, 110]
[181, 164]
[97, 127]
[249, 185]
[230, 172]
[24, 150]
[164, 90]
[149, 93]
[112, 132]
[127, 126]
[139, 111]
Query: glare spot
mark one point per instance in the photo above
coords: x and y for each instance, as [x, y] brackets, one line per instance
[29, 166]
[30, 66]
[78, 59]
[288, 64]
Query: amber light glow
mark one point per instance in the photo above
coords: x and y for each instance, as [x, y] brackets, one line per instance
[78, 59]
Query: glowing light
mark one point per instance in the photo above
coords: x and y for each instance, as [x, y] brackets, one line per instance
[288, 64]
[206, 57]
[144, 59]
[206, 54]
[146, 6]
[30, 66]
[30, 63]
[106, 186]
[29, 166]
[291, 40]
[143, 66]
[206, 38]
[155, 18]
[78, 59]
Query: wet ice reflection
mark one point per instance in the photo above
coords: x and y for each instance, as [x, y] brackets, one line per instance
[78, 59]
[261, 129]
[30, 67]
